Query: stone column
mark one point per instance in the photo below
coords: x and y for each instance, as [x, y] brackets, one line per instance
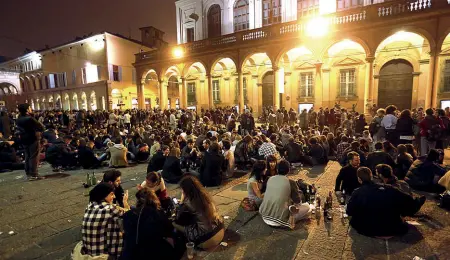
[260, 97]
[287, 90]
[431, 93]
[209, 88]
[416, 84]
[318, 87]
[183, 93]
[436, 80]
[326, 88]
[241, 91]
[276, 88]
[140, 94]
[162, 94]
[368, 98]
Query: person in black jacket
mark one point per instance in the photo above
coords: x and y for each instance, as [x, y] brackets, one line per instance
[158, 160]
[347, 180]
[86, 156]
[404, 127]
[171, 171]
[379, 157]
[377, 210]
[60, 154]
[148, 232]
[212, 166]
[29, 128]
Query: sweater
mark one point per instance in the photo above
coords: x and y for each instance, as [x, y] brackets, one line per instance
[347, 180]
[118, 154]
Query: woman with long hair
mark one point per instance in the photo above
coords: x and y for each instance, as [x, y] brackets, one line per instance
[147, 230]
[389, 148]
[197, 217]
[412, 151]
[255, 182]
[404, 162]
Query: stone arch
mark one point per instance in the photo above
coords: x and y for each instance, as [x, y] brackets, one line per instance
[199, 63]
[84, 102]
[365, 46]
[93, 101]
[248, 57]
[75, 101]
[66, 105]
[224, 56]
[382, 36]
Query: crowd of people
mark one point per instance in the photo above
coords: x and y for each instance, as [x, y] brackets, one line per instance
[384, 159]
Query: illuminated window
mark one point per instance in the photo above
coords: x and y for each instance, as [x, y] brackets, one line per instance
[52, 80]
[307, 8]
[348, 4]
[347, 83]
[241, 15]
[216, 91]
[115, 72]
[83, 76]
[447, 76]
[191, 97]
[306, 84]
[271, 12]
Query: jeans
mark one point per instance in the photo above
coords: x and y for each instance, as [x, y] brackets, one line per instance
[31, 158]
[426, 145]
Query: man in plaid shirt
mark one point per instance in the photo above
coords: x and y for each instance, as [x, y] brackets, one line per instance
[268, 148]
[341, 147]
[101, 230]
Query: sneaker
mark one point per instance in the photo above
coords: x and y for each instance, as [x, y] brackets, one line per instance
[293, 209]
[36, 178]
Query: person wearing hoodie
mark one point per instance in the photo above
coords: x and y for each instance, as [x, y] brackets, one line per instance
[118, 154]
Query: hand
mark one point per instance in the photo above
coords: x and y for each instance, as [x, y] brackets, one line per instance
[125, 196]
[139, 187]
[338, 193]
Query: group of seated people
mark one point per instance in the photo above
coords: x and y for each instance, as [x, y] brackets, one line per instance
[154, 227]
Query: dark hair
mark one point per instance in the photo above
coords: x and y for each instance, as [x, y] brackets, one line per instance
[190, 141]
[118, 140]
[410, 149]
[257, 169]
[313, 140]
[23, 108]
[352, 155]
[198, 197]
[273, 138]
[364, 173]
[100, 192]
[164, 147]
[378, 146]
[344, 138]
[401, 149]
[441, 112]
[433, 155]
[111, 175]
[147, 198]
[355, 145]
[154, 177]
[388, 146]
[214, 148]
[405, 114]
[283, 167]
[384, 170]
[429, 112]
[391, 109]
[226, 144]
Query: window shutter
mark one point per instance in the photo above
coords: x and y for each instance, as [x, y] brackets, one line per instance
[133, 79]
[99, 72]
[120, 73]
[110, 71]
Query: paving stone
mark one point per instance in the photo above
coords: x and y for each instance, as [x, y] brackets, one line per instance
[62, 239]
[67, 222]
[320, 243]
[237, 192]
[38, 220]
[32, 252]
[359, 247]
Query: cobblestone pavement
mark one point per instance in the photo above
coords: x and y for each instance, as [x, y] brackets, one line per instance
[45, 217]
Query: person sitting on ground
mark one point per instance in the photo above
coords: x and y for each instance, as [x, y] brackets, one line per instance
[424, 175]
[212, 166]
[269, 147]
[379, 157]
[147, 229]
[156, 146]
[242, 152]
[355, 146]
[155, 182]
[317, 152]
[118, 154]
[385, 172]
[86, 156]
[113, 177]
[103, 217]
[404, 162]
[197, 217]
[143, 153]
[390, 149]
[255, 182]
[188, 154]
[60, 155]
[412, 151]
[228, 154]
[281, 206]
[171, 171]
[377, 210]
[8, 158]
[131, 147]
[347, 180]
[341, 147]
[157, 161]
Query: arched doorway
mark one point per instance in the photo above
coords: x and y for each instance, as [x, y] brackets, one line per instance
[267, 89]
[93, 101]
[396, 84]
[214, 21]
[173, 92]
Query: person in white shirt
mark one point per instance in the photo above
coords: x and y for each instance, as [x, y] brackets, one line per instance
[127, 120]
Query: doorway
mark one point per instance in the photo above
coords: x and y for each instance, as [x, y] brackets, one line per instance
[396, 84]
[267, 89]
[214, 21]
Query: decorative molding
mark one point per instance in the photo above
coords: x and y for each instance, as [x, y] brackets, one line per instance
[348, 61]
[424, 61]
[306, 65]
[416, 73]
[326, 70]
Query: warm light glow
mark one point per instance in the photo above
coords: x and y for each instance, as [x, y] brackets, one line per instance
[281, 80]
[327, 6]
[178, 52]
[317, 27]
[355, 48]
[403, 40]
[98, 44]
[91, 73]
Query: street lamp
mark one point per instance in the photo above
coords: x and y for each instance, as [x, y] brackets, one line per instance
[178, 52]
[317, 27]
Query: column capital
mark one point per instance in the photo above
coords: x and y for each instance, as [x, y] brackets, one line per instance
[275, 68]
[370, 59]
[259, 84]
[226, 78]
[318, 64]
[415, 74]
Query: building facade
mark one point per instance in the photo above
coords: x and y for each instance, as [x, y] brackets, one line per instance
[302, 53]
[93, 72]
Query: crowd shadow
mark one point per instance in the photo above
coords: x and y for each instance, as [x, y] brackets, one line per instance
[58, 175]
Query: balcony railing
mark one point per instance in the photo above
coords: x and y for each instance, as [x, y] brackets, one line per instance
[367, 14]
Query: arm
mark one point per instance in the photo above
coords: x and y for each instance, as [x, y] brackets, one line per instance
[256, 190]
[337, 187]
[295, 193]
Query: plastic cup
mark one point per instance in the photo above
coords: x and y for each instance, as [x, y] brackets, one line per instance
[190, 250]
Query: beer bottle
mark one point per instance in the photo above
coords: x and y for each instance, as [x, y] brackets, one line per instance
[343, 197]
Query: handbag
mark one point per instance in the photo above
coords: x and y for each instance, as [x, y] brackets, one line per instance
[249, 205]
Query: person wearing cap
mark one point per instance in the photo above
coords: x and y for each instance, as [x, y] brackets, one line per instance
[30, 129]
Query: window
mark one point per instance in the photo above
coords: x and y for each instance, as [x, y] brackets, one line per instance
[236, 92]
[347, 83]
[83, 76]
[190, 36]
[133, 76]
[60, 79]
[191, 98]
[447, 76]
[271, 12]
[90, 73]
[241, 15]
[51, 79]
[74, 77]
[307, 8]
[216, 91]
[348, 4]
[115, 72]
[306, 84]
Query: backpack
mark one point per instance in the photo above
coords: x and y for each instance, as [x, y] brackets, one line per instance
[249, 205]
[435, 133]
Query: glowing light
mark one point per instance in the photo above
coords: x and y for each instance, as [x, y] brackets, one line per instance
[327, 6]
[177, 52]
[317, 27]
[97, 44]
[346, 45]
[403, 39]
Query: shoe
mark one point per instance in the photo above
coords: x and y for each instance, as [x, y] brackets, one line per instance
[36, 178]
[293, 209]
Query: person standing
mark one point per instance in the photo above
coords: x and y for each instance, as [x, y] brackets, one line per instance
[29, 129]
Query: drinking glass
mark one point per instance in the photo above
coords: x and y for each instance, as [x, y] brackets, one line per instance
[190, 250]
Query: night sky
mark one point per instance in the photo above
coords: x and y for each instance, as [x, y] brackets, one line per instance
[33, 24]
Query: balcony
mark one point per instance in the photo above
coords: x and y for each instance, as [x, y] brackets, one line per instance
[339, 20]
